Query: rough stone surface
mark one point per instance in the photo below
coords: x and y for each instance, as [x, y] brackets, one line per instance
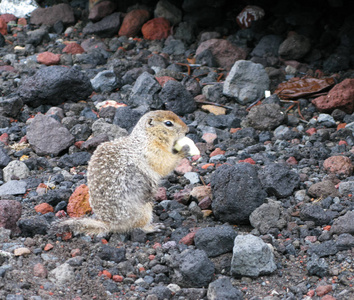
[47, 58]
[110, 253]
[278, 180]
[225, 53]
[54, 85]
[47, 136]
[165, 9]
[176, 98]
[339, 97]
[315, 213]
[107, 27]
[215, 240]
[101, 10]
[323, 189]
[344, 224]
[264, 117]
[33, 225]
[340, 165]
[222, 288]
[79, 205]
[196, 269]
[51, 15]
[73, 48]
[237, 192]
[133, 21]
[246, 81]
[294, 47]
[104, 81]
[267, 216]
[16, 169]
[4, 158]
[156, 29]
[317, 266]
[251, 257]
[13, 187]
[10, 212]
[62, 274]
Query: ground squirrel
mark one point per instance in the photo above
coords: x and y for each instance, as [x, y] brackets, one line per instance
[123, 174]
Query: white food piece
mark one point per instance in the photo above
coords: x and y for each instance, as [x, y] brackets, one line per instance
[193, 150]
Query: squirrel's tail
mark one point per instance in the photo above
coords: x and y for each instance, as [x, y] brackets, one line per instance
[82, 225]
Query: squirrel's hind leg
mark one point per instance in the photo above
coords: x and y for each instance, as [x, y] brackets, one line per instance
[145, 222]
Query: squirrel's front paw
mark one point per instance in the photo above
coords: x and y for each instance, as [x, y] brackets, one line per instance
[186, 146]
[154, 227]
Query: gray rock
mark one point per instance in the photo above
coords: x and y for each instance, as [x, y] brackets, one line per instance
[215, 240]
[251, 257]
[281, 131]
[345, 242]
[222, 121]
[237, 192]
[33, 225]
[346, 187]
[10, 107]
[10, 212]
[62, 275]
[144, 92]
[81, 132]
[113, 131]
[112, 253]
[336, 62]
[222, 288]
[74, 159]
[161, 292]
[294, 47]
[165, 9]
[35, 37]
[326, 248]
[105, 81]
[54, 85]
[246, 81]
[176, 98]
[17, 169]
[323, 189]
[4, 158]
[267, 216]
[267, 46]
[317, 266]
[107, 27]
[126, 118]
[62, 12]
[264, 117]
[185, 32]
[13, 187]
[193, 177]
[324, 118]
[173, 46]
[47, 136]
[195, 268]
[315, 213]
[279, 180]
[344, 224]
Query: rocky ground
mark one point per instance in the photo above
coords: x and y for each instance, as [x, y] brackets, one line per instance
[266, 211]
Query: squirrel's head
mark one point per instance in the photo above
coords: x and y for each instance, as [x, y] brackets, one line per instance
[164, 127]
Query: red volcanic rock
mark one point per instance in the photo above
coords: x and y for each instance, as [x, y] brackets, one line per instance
[3, 26]
[8, 17]
[163, 79]
[10, 212]
[73, 48]
[323, 290]
[50, 15]
[156, 29]
[79, 204]
[340, 96]
[225, 53]
[133, 22]
[48, 58]
[338, 165]
[43, 208]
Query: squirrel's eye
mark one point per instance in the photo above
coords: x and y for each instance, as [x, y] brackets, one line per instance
[168, 123]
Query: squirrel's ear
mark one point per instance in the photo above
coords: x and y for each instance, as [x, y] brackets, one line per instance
[150, 122]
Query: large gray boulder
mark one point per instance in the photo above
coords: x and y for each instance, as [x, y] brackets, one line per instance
[246, 81]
